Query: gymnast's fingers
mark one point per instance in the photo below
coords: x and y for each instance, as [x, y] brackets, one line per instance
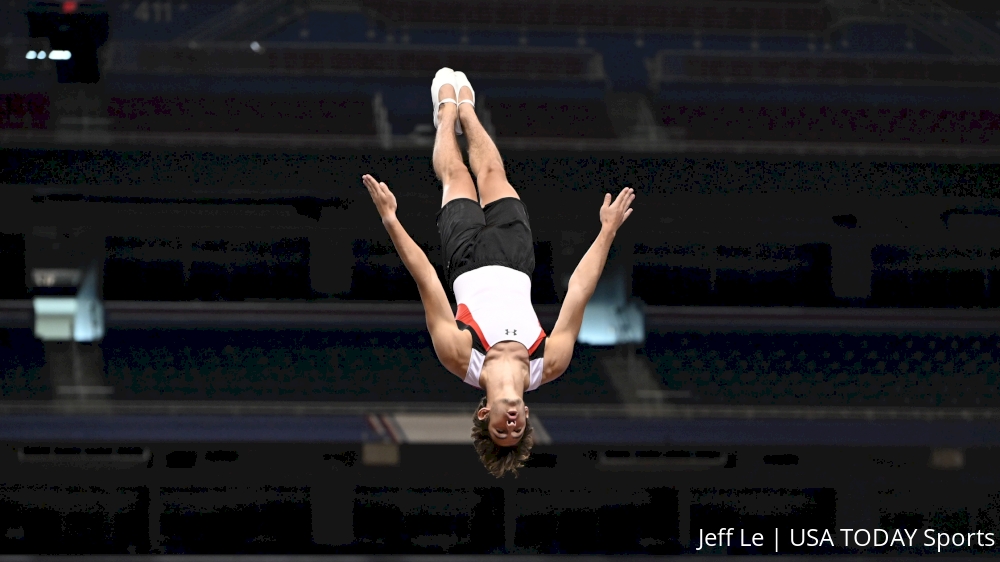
[623, 197]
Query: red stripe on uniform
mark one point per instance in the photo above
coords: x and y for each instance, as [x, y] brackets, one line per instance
[464, 316]
[534, 346]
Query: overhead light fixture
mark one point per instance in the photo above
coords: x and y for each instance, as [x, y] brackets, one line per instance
[54, 55]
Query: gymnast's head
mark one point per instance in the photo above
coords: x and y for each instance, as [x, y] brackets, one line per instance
[501, 428]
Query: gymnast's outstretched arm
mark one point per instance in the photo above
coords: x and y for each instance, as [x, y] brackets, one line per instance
[583, 282]
[453, 346]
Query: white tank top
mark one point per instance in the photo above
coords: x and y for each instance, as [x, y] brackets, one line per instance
[494, 304]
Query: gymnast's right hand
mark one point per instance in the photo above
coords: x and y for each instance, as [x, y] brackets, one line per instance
[384, 200]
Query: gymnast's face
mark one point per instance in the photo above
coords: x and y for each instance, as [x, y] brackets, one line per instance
[507, 420]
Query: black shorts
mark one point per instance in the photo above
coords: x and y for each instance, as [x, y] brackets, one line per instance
[474, 237]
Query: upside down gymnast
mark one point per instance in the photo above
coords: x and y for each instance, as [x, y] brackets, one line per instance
[494, 342]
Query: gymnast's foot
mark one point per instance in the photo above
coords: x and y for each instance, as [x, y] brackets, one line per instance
[465, 93]
[446, 92]
[443, 95]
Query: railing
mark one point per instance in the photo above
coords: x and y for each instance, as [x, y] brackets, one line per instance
[357, 60]
[808, 68]
[409, 316]
[629, 14]
[307, 143]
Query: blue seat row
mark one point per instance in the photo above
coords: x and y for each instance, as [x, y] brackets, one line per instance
[755, 275]
[842, 122]
[731, 369]
[332, 114]
[830, 369]
[306, 365]
[348, 27]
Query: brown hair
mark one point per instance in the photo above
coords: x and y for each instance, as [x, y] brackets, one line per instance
[497, 459]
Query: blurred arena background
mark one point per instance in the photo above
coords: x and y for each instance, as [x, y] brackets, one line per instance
[798, 326]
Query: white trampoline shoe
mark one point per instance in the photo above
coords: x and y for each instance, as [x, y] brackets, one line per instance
[443, 76]
[461, 80]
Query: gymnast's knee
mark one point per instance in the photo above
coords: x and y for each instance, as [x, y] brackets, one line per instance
[492, 171]
[452, 171]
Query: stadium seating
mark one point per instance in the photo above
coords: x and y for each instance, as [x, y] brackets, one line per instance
[165, 21]
[282, 365]
[582, 382]
[409, 111]
[732, 369]
[13, 23]
[306, 365]
[396, 74]
[335, 114]
[565, 45]
[329, 27]
[128, 279]
[918, 276]
[12, 265]
[594, 13]
[550, 118]
[801, 122]
[624, 48]
[379, 273]
[829, 369]
[216, 271]
[24, 111]
[759, 67]
[21, 359]
[762, 275]
[884, 38]
[357, 59]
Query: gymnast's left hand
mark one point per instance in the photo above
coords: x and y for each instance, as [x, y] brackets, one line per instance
[614, 213]
[384, 200]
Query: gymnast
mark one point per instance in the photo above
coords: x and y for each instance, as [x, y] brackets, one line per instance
[494, 342]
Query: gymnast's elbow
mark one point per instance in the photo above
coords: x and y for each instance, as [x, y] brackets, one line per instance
[553, 371]
[449, 353]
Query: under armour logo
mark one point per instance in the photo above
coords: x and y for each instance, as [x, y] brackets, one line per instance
[507, 332]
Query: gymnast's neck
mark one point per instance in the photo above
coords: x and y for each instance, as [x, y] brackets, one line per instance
[505, 371]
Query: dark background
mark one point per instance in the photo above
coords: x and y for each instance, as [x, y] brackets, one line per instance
[798, 156]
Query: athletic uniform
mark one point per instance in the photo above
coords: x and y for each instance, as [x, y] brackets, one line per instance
[489, 256]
